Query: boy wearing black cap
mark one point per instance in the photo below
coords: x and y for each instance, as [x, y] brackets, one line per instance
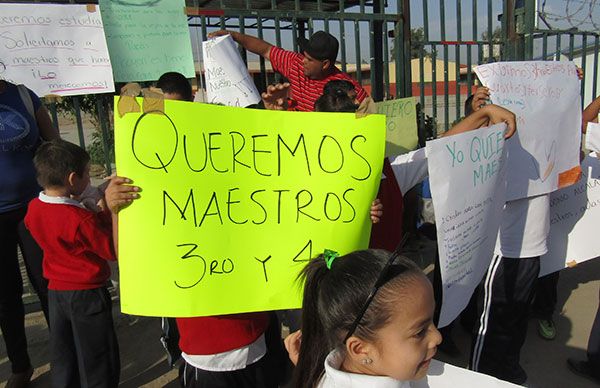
[307, 72]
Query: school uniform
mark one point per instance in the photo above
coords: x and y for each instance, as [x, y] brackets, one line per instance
[509, 287]
[336, 378]
[439, 375]
[77, 245]
[226, 351]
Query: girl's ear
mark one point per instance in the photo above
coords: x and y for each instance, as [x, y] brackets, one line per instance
[359, 349]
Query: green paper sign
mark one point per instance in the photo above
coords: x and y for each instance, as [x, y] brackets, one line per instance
[401, 135]
[147, 38]
[236, 201]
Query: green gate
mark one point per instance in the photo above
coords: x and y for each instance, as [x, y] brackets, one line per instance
[450, 37]
[366, 31]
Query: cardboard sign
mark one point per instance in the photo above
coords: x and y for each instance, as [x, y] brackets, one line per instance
[543, 155]
[54, 49]
[236, 201]
[401, 123]
[147, 38]
[468, 187]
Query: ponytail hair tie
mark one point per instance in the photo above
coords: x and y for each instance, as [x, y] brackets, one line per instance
[329, 257]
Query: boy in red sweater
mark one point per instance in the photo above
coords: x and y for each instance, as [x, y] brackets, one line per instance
[77, 245]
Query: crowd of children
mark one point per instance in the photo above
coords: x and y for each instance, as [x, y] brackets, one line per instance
[367, 319]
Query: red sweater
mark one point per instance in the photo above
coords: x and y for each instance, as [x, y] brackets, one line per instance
[76, 242]
[306, 91]
[212, 335]
[387, 233]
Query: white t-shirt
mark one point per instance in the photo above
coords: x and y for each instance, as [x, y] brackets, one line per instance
[524, 227]
[409, 169]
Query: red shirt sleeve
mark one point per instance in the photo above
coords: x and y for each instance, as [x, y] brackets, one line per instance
[95, 236]
[360, 92]
[282, 60]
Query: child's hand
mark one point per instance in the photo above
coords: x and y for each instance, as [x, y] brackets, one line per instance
[376, 211]
[292, 345]
[120, 194]
[579, 73]
[480, 98]
[496, 114]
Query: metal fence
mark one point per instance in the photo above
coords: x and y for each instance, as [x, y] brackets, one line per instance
[394, 48]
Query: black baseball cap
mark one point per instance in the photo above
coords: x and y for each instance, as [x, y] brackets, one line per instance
[321, 46]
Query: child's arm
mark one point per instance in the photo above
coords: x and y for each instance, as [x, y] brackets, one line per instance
[489, 114]
[590, 114]
[119, 194]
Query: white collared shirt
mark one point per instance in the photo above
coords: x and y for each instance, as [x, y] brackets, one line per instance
[334, 377]
[59, 200]
[439, 375]
[235, 359]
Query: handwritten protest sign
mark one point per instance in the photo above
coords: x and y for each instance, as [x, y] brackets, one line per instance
[227, 79]
[544, 153]
[574, 215]
[147, 38]
[467, 177]
[401, 121]
[592, 137]
[235, 201]
[54, 49]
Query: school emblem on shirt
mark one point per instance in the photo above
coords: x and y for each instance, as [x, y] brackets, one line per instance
[14, 127]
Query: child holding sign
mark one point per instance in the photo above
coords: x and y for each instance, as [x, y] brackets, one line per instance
[77, 245]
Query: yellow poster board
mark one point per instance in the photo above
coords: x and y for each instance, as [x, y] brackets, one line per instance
[401, 134]
[235, 201]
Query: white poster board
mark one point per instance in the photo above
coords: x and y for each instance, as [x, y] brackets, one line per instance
[227, 79]
[544, 153]
[574, 221]
[444, 375]
[592, 137]
[468, 187]
[54, 49]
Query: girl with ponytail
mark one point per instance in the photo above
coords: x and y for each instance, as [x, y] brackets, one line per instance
[367, 321]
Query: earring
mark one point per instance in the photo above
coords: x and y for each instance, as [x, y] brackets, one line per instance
[367, 361]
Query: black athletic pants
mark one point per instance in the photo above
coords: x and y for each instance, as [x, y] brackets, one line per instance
[507, 291]
[12, 314]
[544, 303]
[83, 345]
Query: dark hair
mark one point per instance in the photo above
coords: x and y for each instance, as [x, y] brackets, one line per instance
[54, 160]
[338, 101]
[468, 107]
[173, 82]
[334, 297]
[331, 87]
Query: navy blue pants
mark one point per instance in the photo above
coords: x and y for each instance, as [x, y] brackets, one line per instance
[83, 345]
